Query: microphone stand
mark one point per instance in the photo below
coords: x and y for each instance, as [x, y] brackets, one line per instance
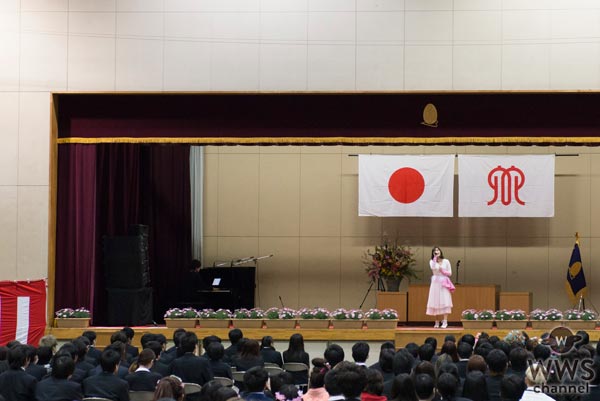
[457, 267]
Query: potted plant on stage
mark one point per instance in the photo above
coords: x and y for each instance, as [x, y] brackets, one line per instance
[475, 320]
[391, 262]
[347, 319]
[72, 318]
[314, 318]
[181, 317]
[381, 319]
[580, 319]
[248, 318]
[214, 319]
[280, 318]
[545, 319]
[510, 319]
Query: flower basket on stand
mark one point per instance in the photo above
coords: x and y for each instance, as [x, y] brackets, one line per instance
[313, 318]
[511, 319]
[212, 319]
[381, 319]
[280, 318]
[477, 320]
[580, 319]
[545, 319]
[392, 263]
[347, 319]
[72, 318]
[247, 318]
[181, 318]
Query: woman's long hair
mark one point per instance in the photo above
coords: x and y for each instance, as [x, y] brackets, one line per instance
[296, 345]
[403, 388]
[433, 250]
[250, 349]
[169, 387]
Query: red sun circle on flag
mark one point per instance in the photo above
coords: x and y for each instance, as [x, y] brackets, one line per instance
[406, 185]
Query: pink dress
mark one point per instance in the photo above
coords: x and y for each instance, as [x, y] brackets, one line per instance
[440, 298]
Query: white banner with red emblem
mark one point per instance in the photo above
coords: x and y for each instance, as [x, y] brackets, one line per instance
[506, 186]
[407, 185]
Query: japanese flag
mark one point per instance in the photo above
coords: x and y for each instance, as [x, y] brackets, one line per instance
[506, 186]
[405, 185]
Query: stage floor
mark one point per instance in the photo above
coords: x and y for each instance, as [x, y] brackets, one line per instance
[401, 335]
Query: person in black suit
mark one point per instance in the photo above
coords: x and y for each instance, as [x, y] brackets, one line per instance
[82, 346]
[465, 350]
[107, 384]
[122, 370]
[132, 352]
[351, 379]
[447, 386]
[35, 370]
[169, 355]
[268, 352]
[158, 367]
[15, 383]
[190, 367]
[4, 359]
[497, 362]
[57, 387]
[512, 388]
[296, 353]
[214, 353]
[249, 356]
[93, 354]
[235, 335]
[143, 379]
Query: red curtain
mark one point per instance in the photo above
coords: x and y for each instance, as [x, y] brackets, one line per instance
[102, 190]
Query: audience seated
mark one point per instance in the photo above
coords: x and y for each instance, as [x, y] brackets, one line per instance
[169, 388]
[57, 387]
[15, 383]
[424, 387]
[316, 385]
[351, 380]
[131, 351]
[387, 345]
[374, 388]
[360, 353]
[447, 387]
[512, 388]
[475, 386]
[235, 335]
[269, 353]
[255, 383]
[189, 367]
[142, 379]
[93, 355]
[107, 384]
[296, 353]
[215, 353]
[496, 361]
[249, 356]
[403, 388]
[35, 370]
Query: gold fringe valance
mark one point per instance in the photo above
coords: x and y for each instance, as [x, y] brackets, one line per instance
[509, 140]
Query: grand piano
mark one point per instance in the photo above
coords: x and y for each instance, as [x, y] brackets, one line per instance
[235, 288]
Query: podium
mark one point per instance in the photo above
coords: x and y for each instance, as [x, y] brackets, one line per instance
[393, 300]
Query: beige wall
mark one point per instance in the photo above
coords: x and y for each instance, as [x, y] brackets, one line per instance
[300, 204]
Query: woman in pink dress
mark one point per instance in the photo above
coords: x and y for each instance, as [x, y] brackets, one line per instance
[440, 297]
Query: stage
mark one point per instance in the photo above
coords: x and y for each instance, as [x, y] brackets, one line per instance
[401, 335]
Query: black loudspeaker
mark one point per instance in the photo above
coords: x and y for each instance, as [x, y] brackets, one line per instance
[126, 261]
[129, 307]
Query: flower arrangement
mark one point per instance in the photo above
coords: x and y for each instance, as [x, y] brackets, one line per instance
[550, 314]
[68, 313]
[181, 313]
[485, 314]
[504, 314]
[385, 314]
[220, 314]
[314, 313]
[574, 314]
[255, 313]
[469, 314]
[280, 313]
[390, 260]
[350, 314]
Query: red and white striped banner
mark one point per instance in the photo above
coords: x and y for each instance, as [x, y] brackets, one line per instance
[22, 311]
